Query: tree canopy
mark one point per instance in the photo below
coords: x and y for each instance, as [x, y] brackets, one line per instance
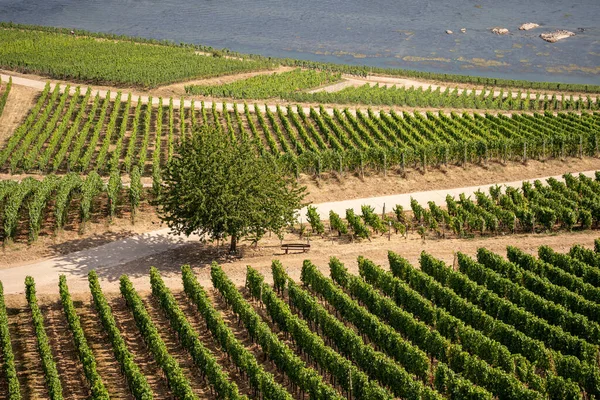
[219, 187]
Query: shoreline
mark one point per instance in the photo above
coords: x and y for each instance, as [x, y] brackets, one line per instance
[360, 68]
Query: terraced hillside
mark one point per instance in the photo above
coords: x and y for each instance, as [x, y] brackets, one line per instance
[484, 328]
[79, 132]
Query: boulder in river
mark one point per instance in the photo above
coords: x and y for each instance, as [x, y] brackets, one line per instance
[449, 32]
[557, 35]
[527, 26]
[500, 31]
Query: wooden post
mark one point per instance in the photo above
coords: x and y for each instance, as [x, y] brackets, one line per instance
[403, 163]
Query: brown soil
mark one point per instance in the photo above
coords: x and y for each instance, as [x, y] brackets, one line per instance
[286, 338]
[206, 337]
[107, 365]
[351, 186]
[200, 256]
[70, 369]
[72, 378]
[199, 385]
[135, 344]
[100, 231]
[20, 100]
[24, 344]
[240, 332]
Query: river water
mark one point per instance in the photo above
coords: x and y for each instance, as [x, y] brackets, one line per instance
[383, 33]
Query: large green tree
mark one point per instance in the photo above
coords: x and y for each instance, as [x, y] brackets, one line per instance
[220, 188]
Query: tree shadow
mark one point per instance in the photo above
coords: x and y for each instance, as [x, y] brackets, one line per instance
[133, 256]
[85, 243]
[113, 258]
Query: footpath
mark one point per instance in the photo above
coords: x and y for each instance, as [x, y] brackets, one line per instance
[107, 258]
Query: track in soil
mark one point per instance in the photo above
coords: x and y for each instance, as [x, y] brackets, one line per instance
[197, 322]
[70, 369]
[27, 358]
[107, 365]
[181, 355]
[136, 345]
[241, 334]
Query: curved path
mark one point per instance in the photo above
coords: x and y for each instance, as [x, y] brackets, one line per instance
[437, 196]
[230, 106]
[40, 84]
[388, 81]
[108, 259]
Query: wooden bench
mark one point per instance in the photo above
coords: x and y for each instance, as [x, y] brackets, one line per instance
[295, 246]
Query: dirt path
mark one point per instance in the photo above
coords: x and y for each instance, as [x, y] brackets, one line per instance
[385, 81]
[437, 196]
[134, 255]
[351, 186]
[178, 89]
[220, 105]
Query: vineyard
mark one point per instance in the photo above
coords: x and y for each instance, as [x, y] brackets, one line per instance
[574, 204]
[266, 86]
[536, 207]
[77, 132]
[448, 98]
[484, 328]
[184, 65]
[49, 205]
[31, 206]
[521, 325]
[293, 86]
[120, 62]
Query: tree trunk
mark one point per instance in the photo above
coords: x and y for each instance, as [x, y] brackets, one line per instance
[233, 246]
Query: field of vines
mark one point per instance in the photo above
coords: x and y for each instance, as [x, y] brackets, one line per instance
[172, 48]
[31, 207]
[293, 86]
[485, 328]
[448, 98]
[267, 86]
[538, 207]
[118, 62]
[81, 132]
